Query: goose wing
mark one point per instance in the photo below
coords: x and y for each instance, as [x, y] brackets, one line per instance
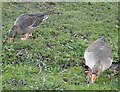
[100, 46]
[26, 20]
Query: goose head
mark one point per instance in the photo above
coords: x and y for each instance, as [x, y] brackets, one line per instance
[95, 72]
[12, 33]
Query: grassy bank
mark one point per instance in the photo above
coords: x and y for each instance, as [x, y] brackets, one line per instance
[52, 58]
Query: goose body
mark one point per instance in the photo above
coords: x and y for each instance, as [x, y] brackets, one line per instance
[98, 57]
[25, 24]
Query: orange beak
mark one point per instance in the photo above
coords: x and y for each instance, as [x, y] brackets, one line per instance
[11, 39]
[93, 79]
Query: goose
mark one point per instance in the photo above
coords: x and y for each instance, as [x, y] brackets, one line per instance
[25, 24]
[98, 57]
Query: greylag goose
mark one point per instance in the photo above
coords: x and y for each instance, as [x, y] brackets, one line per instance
[25, 24]
[98, 57]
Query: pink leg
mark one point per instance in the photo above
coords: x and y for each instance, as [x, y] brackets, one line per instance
[30, 34]
[26, 36]
[90, 73]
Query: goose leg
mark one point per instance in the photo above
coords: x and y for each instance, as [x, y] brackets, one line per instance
[89, 76]
[90, 73]
[30, 34]
[26, 36]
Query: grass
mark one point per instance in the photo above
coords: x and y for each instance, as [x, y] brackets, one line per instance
[0, 47]
[52, 57]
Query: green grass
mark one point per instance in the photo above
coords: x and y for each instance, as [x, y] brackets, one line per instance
[53, 56]
[0, 45]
